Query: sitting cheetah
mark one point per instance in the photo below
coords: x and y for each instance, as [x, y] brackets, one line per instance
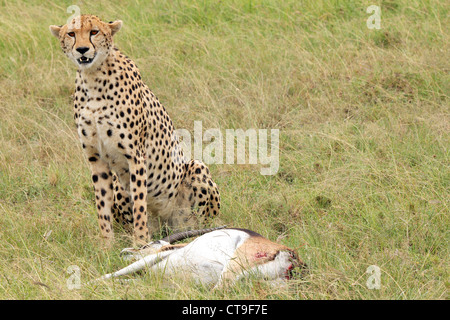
[136, 161]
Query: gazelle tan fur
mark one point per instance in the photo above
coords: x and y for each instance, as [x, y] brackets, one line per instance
[217, 257]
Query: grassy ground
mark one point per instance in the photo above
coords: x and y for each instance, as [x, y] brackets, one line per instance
[364, 141]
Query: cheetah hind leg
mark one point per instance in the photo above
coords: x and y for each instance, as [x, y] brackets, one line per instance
[198, 198]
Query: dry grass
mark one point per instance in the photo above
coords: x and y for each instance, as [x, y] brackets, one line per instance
[363, 119]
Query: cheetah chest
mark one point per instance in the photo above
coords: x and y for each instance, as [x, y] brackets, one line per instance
[98, 131]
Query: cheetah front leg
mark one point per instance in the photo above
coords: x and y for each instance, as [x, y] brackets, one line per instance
[123, 206]
[138, 188]
[103, 189]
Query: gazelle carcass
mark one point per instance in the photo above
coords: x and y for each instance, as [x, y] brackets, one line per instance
[216, 257]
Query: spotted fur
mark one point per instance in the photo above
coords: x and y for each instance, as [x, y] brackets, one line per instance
[139, 176]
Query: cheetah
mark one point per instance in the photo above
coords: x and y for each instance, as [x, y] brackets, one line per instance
[140, 178]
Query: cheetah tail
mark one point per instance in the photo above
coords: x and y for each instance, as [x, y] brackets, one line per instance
[188, 234]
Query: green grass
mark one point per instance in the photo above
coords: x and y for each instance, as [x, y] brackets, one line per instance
[364, 141]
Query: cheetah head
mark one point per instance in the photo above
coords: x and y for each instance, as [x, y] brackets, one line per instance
[86, 40]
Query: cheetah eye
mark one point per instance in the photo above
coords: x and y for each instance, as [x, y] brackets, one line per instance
[94, 32]
[71, 34]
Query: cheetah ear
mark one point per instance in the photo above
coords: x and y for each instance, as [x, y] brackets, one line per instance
[55, 30]
[115, 26]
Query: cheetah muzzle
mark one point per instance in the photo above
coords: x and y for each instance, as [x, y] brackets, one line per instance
[140, 177]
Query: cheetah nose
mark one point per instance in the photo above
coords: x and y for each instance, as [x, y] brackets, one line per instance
[82, 50]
